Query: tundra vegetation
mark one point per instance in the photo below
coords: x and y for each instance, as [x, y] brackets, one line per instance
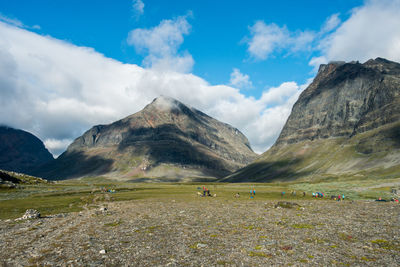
[83, 223]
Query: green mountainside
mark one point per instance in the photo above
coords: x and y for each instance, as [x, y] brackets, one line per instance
[166, 141]
[345, 124]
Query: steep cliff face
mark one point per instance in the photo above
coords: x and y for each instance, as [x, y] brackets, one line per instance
[21, 151]
[166, 139]
[347, 121]
[345, 99]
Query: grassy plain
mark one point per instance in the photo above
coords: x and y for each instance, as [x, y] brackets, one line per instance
[75, 195]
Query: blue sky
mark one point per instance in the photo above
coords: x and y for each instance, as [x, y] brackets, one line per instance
[68, 65]
[216, 39]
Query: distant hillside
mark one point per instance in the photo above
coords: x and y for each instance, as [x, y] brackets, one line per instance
[12, 179]
[167, 140]
[346, 123]
[21, 151]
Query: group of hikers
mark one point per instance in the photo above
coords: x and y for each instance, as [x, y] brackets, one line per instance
[339, 197]
[393, 199]
[206, 192]
[105, 190]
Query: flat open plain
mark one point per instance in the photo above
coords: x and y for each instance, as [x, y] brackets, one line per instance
[171, 230]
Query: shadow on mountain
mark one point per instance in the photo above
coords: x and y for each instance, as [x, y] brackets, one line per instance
[6, 177]
[384, 140]
[168, 144]
[269, 171]
[394, 135]
[74, 164]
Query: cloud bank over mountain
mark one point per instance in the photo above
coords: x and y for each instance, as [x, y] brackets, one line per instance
[57, 90]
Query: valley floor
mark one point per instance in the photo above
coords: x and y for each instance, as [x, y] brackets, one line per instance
[209, 232]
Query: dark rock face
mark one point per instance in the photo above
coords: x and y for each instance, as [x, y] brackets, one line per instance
[21, 151]
[165, 133]
[346, 123]
[345, 99]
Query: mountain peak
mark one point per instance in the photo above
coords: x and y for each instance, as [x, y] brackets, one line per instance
[345, 99]
[166, 103]
[347, 122]
[167, 139]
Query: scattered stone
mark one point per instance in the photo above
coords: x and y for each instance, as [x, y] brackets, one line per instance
[30, 214]
[103, 209]
[216, 233]
[286, 205]
[201, 245]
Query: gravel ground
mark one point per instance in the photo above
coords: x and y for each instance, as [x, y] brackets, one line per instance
[209, 232]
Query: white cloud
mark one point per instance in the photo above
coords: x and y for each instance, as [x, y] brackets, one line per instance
[331, 23]
[279, 95]
[267, 39]
[57, 90]
[372, 30]
[160, 44]
[17, 23]
[317, 61]
[11, 21]
[138, 7]
[57, 146]
[240, 80]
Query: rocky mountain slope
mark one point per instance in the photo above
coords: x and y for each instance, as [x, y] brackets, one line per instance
[167, 139]
[346, 123]
[21, 151]
[13, 179]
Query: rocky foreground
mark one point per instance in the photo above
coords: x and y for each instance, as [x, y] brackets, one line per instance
[208, 232]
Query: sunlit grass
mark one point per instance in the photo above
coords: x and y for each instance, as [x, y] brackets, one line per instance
[74, 195]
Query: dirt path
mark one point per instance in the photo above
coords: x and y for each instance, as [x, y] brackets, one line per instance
[209, 232]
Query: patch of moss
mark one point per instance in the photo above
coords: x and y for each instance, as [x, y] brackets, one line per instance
[224, 263]
[113, 224]
[151, 229]
[368, 259]
[258, 254]
[379, 241]
[385, 244]
[303, 226]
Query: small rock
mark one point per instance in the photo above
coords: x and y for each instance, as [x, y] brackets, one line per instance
[103, 209]
[201, 245]
[103, 251]
[31, 214]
